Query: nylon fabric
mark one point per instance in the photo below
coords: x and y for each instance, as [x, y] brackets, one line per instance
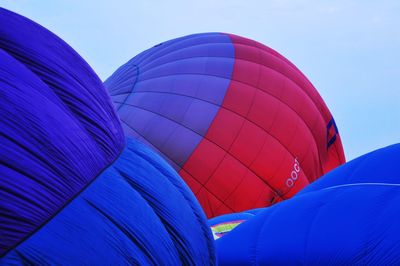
[236, 119]
[338, 220]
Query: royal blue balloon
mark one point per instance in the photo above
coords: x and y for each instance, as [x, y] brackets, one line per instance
[351, 216]
[137, 211]
[73, 190]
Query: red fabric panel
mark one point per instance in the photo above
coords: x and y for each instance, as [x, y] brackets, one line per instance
[191, 181]
[269, 138]
[239, 97]
[227, 177]
[211, 205]
[248, 143]
[225, 128]
[203, 161]
[252, 193]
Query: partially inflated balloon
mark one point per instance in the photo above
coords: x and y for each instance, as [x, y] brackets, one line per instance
[242, 125]
[351, 216]
[73, 191]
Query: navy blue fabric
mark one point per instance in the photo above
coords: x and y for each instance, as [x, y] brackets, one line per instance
[70, 193]
[351, 216]
[58, 128]
[138, 211]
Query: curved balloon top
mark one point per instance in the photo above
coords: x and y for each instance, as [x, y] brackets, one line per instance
[239, 122]
[72, 189]
[57, 125]
[348, 217]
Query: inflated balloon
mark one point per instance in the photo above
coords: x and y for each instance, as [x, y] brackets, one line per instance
[239, 122]
[351, 216]
[73, 191]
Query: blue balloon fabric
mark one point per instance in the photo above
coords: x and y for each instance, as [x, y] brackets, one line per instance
[123, 217]
[246, 215]
[73, 190]
[380, 167]
[351, 216]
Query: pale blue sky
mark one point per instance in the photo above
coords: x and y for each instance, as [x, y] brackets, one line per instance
[350, 50]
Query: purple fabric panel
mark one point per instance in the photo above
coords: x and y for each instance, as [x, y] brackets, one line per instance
[119, 99]
[124, 78]
[207, 51]
[208, 66]
[163, 137]
[182, 140]
[186, 111]
[58, 128]
[178, 89]
[198, 116]
[207, 88]
[129, 131]
[185, 42]
[123, 83]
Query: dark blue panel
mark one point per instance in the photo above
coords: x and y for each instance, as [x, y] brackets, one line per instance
[67, 195]
[58, 129]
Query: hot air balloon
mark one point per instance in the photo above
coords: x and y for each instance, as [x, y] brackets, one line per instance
[239, 122]
[73, 190]
[350, 216]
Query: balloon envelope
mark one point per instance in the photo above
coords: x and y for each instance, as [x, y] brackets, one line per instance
[239, 122]
[73, 190]
[350, 216]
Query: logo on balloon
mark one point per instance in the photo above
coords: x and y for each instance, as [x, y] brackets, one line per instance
[294, 174]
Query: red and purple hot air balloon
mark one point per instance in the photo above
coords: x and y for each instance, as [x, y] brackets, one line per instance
[239, 122]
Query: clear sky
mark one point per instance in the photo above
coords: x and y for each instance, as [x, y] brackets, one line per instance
[350, 50]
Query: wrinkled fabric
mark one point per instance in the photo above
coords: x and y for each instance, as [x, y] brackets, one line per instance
[138, 211]
[72, 190]
[58, 126]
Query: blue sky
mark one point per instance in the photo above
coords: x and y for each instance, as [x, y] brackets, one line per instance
[350, 50]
